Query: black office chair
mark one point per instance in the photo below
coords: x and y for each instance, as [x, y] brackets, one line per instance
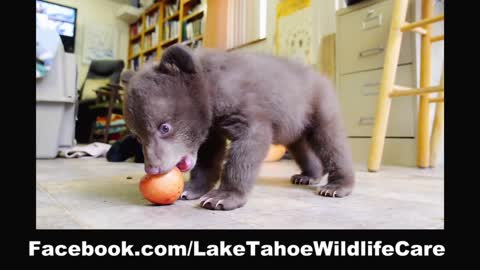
[108, 99]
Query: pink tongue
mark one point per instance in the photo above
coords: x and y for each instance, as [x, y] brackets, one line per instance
[183, 165]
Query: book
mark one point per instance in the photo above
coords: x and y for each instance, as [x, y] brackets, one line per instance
[170, 30]
[150, 39]
[151, 19]
[197, 8]
[150, 56]
[193, 29]
[134, 64]
[197, 44]
[172, 7]
[154, 37]
[136, 48]
[136, 29]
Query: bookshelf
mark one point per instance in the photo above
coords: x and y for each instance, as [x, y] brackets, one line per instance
[163, 24]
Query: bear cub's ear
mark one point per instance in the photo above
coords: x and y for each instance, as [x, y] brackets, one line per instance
[177, 58]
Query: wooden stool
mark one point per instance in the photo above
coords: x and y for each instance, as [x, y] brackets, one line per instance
[426, 149]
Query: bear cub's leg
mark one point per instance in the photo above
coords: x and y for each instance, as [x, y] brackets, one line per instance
[247, 151]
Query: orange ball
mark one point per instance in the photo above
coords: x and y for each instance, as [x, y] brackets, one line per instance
[162, 188]
[275, 153]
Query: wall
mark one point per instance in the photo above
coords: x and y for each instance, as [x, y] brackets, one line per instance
[216, 24]
[96, 12]
[324, 23]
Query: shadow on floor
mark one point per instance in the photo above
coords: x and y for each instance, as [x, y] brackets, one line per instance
[110, 192]
[280, 183]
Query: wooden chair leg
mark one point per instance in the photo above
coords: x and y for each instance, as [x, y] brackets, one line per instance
[423, 134]
[109, 117]
[94, 124]
[392, 54]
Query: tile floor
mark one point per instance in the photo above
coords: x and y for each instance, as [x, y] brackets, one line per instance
[95, 194]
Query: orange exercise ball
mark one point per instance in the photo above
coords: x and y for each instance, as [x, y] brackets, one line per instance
[275, 153]
[162, 189]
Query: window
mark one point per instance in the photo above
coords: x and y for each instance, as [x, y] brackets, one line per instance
[247, 22]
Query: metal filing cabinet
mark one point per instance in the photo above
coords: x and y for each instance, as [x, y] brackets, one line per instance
[362, 34]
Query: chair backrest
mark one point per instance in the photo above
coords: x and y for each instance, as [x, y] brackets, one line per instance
[104, 69]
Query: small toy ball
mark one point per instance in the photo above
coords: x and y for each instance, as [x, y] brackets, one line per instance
[275, 153]
[162, 189]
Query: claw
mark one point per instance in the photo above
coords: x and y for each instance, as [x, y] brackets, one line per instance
[184, 195]
[327, 192]
[205, 202]
[219, 202]
[334, 193]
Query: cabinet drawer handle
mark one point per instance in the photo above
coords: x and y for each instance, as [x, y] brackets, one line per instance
[371, 84]
[371, 51]
[371, 20]
[370, 93]
[366, 121]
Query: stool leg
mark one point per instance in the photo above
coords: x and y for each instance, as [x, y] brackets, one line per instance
[437, 129]
[423, 138]
[437, 132]
[392, 54]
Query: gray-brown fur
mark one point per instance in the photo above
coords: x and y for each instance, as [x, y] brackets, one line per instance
[254, 100]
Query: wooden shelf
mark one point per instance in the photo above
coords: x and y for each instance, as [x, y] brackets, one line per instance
[148, 30]
[188, 4]
[193, 16]
[174, 16]
[181, 15]
[193, 39]
[136, 37]
[149, 50]
[170, 41]
[152, 8]
[135, 56]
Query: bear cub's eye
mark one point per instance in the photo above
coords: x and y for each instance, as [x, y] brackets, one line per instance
[165, 128]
